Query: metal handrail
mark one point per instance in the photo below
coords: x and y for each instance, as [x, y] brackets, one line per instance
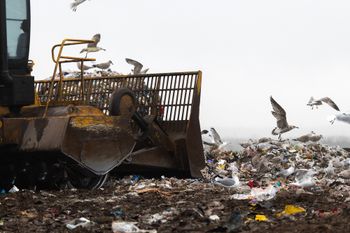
[58, 65]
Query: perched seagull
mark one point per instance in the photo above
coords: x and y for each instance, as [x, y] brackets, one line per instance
[96, 38]
[344, 117]
[313, 102]
[280, 115]
[304, 138]
[304, 178]
[85, 67]
[309, 137]
[75, 4]
[104, 65]
[329, 170]
[287, 172]
[316, 137]
[137, 66]
[345, 174]
[228, 182]
[91, 50]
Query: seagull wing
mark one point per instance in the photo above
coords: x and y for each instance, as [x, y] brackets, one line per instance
[216, 136]
[137, 65]
[311, 100]
[330, 102]
[279, 113]
[96, 38]
[75, 4]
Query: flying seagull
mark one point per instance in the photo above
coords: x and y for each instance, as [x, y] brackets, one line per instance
[344, 117]
[75, 4]
[96, 38]
[313, 102]
[137, 66]
[280, 115]
[104, 65]
[91, 50]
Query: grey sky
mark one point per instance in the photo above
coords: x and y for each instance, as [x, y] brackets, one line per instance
[247, 50]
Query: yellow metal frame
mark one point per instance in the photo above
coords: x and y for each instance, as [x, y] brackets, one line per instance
[59, 59]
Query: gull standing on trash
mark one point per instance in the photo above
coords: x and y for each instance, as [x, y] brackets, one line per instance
[316, 137]
[316, 102]
[104, 65]
[75, 4]
[313, 137]
[137, 66]
[228, 182]
[280, 115]
[287, 172]
[304, 178]
[344, 117]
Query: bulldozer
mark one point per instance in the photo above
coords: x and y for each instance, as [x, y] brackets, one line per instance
[75, 131]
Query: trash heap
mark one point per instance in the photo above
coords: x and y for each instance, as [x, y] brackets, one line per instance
[266, 166]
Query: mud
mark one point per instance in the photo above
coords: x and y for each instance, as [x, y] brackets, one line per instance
[170, 205]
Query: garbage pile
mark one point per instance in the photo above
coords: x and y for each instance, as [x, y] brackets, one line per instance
[266, 166]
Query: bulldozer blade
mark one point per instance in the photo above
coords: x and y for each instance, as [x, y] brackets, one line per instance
[98, 142]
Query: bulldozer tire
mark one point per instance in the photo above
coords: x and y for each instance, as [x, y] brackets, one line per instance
[123, 103]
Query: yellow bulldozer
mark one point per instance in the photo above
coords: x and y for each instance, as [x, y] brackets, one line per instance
[75, 131]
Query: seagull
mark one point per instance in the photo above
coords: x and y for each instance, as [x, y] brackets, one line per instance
[344, 117]
[215, 136]
[204, 131]
[280, 115]
[91, 50]
[304, 178]
[228, 182]
[304, 138]
[96, 38]
[104, 65]
[329, 170]
[313, 137]
[85, 67]
[345, 174]
[287, 172]
[75, 4]
[316, 137]
[313, 102]
[137, 66]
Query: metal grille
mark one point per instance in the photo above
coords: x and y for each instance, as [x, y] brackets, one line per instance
[167, 95]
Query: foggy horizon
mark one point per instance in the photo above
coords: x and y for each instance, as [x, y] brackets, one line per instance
[247, 50]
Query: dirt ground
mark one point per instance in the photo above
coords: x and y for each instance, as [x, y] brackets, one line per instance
[170, 205]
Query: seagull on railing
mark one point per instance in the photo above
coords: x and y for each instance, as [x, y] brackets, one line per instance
[85, 67]
[137, 66]
[316, 102]
[104, 65]
[75, 4]
[280, 115]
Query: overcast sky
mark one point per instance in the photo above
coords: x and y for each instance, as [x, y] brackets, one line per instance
[247, 50]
